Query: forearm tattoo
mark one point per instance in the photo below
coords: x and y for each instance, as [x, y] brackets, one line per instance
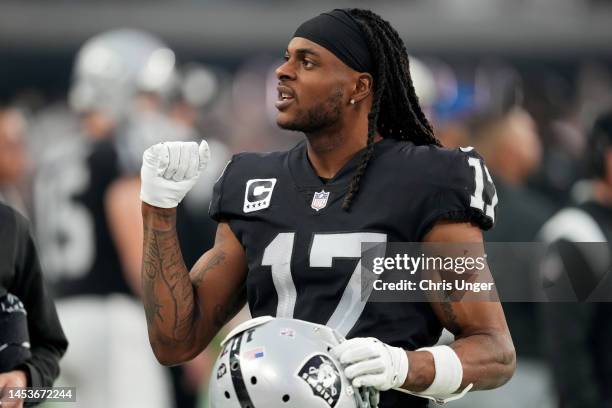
[450, 318]
[168, 295]
[214, 261]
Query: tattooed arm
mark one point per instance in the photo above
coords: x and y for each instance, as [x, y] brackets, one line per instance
[482, 339]
[185, 310]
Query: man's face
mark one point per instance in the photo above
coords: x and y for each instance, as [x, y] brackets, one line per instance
[313, 84]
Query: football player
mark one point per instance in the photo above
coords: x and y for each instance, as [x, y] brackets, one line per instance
[291, 223]
[86, 229]
[579, 265]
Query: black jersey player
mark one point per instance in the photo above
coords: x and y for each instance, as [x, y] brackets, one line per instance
[77, 246]
[291, 223]
[580, 239]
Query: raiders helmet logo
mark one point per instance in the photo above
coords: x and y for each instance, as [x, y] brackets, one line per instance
[321, 374]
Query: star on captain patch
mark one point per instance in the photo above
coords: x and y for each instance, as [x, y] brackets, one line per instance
[319, 200]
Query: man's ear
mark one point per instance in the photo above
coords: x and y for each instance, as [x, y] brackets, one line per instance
[364, 87]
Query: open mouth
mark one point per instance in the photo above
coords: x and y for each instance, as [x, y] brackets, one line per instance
[285, 97]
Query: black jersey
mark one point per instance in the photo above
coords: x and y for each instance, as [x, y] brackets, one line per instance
[77, 249]
[304, 251]
[20, 275]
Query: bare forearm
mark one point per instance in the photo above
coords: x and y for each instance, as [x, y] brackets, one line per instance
[482, 339]
[488, 361]
[168, 294]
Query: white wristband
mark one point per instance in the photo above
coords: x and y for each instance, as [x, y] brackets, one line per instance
[449, 371]
[448, 376]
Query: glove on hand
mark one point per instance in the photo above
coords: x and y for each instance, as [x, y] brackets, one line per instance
[169, 170]
[370, 363]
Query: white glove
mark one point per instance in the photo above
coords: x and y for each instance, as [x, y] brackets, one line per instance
[370, 363]
[169, 170]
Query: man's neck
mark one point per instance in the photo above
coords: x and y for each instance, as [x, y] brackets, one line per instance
[331, 149]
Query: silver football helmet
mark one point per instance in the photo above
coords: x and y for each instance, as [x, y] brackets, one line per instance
[112, 67]
[276, 362]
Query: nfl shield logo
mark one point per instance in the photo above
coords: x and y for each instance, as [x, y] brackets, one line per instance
[319, 200]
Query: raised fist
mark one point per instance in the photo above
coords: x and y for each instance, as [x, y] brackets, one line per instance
[169, 170]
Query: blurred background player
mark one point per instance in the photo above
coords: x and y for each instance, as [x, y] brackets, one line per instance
[83, 211]
[510, 143]
[581, 251]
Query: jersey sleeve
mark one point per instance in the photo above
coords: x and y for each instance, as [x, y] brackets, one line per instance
[216, 208]
[227, 194]
[463, 191]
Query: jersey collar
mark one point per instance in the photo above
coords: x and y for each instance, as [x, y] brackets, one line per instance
[305, 177]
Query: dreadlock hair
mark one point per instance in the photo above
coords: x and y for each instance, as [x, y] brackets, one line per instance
[395, 111]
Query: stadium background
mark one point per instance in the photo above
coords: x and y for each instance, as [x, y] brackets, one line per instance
[522, 77]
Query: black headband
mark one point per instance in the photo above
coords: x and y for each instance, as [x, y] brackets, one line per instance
[338, 32]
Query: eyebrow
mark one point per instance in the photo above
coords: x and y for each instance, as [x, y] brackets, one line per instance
[305, 51]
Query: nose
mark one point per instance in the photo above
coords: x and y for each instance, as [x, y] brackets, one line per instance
[285, 72]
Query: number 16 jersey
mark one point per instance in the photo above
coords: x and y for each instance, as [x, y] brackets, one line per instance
[304, 250]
